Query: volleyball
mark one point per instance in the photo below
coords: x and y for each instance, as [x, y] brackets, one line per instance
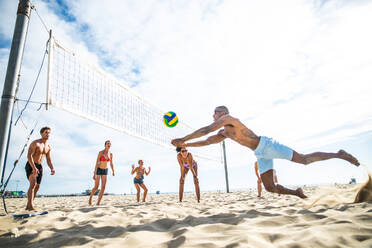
[170, 119]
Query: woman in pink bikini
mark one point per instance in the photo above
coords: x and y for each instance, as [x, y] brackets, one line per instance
[187, 163]
[101, 170]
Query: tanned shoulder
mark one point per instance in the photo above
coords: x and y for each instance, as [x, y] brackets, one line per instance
[33, 143]
[229, 120]
[225, 120]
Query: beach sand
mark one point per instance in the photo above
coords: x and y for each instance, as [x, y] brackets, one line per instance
[237, 219]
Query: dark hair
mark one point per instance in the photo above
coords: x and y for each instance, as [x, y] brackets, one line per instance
[107, 141]
[178, 149]
[43, 129]
[140, 160]
[223, 108]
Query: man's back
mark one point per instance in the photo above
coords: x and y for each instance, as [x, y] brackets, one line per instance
[238, 132]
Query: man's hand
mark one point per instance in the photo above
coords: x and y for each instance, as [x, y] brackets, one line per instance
[178, 142]
[132, 166]
[113, 173]
[35, 172]
[52, 172]
[94, 176]
[149, 169]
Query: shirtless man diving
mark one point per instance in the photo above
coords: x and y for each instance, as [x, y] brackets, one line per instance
[265, 149]
[34, 170]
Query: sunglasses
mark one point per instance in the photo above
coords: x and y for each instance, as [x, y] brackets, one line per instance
[183, 150]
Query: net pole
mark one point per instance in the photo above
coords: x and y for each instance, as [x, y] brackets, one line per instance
[13, 70]
[225, 163]
[50, 69]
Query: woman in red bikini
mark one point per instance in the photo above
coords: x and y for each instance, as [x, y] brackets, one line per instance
[187, 163]
[100, 171]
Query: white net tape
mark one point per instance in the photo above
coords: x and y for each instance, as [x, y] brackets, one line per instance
[76, 86]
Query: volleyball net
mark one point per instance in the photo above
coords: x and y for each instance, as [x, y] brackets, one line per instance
[84, 89]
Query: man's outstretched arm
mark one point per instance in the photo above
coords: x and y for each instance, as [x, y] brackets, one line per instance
[211, 140]
[203, 131]
[49, 162]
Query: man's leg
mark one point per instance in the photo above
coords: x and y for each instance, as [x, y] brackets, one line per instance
[275, 178]
[30, 192]
[274, 150]
[268, 182]
[36, 189]
[319, 156]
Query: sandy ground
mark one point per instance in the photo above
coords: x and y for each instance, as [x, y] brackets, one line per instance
[237, 219]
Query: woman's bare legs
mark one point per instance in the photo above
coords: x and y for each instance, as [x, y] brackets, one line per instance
[96, 185]
[196, 183]
[138, 191]
[103, 186]
[143, 186]
[182, 183]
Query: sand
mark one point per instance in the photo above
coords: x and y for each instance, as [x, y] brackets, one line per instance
[237, 219]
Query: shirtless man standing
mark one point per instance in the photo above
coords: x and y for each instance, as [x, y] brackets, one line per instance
[265, 149]
[34, 170]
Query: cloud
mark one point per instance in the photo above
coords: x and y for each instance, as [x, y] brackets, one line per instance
[297, 71]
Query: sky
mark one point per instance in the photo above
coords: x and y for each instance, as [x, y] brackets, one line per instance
[297, 71]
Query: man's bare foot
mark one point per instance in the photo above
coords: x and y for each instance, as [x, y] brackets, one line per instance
[30, 206]
[348, 157]
[300, 193]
